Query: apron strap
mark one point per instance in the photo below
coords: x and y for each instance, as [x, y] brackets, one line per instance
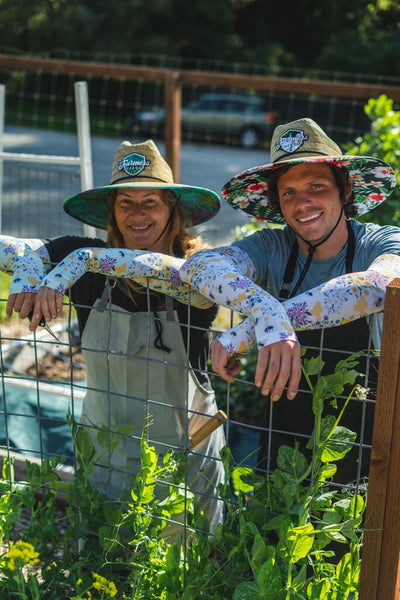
[105, 299]
[285, 290]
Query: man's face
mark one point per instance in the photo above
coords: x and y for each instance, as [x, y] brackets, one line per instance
[310, 201]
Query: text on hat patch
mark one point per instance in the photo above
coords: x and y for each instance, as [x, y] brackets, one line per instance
[133, 164]
[291, 140]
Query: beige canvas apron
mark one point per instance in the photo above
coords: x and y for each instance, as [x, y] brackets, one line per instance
[130, 381]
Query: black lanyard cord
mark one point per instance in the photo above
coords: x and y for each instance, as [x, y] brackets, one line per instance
[287, 281]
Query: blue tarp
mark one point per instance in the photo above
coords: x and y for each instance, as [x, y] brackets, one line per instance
[34, 420]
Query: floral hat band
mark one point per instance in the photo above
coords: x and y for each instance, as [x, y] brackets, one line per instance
[303, 141]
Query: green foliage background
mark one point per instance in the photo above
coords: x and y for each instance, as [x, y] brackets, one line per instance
[382, 141]
[361, 37]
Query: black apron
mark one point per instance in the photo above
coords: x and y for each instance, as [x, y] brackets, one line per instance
[293, 420]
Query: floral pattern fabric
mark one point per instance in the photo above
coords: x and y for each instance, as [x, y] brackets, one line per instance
[333, 303]
[373, 181]
[159, 271]
[340, 300]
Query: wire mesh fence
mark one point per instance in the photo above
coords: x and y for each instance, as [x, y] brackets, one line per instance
[33, 197]
[39, 398]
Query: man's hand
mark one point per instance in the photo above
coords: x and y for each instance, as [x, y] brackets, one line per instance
[21, 303]
[48, 303]
[279, 365]
[227, 366]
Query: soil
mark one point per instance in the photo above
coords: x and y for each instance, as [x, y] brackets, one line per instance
[52, 367]
[59, 367]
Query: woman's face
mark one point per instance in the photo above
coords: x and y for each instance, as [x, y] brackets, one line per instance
[141, 216]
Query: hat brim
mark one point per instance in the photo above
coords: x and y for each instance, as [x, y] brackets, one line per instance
[91, 206]
[373, 181]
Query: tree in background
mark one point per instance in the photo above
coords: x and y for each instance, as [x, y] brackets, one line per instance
[361, 37]
[382, 141]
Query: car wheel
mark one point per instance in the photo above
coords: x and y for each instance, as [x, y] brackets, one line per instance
[249, 137]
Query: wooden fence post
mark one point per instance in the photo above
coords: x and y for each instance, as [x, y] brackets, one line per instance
[172, 125]
[379, 578]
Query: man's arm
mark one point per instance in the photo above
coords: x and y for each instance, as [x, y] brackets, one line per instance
[225, 276]
[338, 301]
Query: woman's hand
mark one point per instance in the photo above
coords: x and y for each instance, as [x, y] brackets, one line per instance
[21, 303]
[48, 303]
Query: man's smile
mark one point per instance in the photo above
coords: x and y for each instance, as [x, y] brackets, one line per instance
[309, 217]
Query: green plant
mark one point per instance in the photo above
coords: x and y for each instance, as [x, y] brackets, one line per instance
[382, 141]
[275, 543]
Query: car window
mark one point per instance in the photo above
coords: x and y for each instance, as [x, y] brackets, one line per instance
[208, 104]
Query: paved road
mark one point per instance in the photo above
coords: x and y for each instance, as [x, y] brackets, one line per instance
[32, 202]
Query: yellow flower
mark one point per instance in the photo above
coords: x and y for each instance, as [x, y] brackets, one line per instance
[23, 551]
[103, 585]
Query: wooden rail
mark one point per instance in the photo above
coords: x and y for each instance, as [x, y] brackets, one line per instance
[174, 79]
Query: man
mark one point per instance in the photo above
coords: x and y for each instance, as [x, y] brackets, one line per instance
[321, 270]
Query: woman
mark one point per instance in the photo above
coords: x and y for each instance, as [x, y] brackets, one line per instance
[145, 364]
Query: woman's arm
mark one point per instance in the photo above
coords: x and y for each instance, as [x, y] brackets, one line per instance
[18, 258]
[159, 271]
[26, 261]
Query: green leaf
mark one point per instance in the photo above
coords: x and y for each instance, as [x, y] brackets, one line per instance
[339, 445]
[247, 590]
[319, 395]
[172, 558]
[84, 445]
[291, 461]
[276, 523]
[318, 590]
[312, 366]
[226, 458]
[148, 455]
[259, 552]
[238, 483]
[269, 579]
[300, 541]
[348, 573]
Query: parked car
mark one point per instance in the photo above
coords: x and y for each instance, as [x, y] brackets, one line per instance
[216, 117]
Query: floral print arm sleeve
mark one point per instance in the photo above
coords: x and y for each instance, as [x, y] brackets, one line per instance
[338, 301]
[17, 257]
[225, 276]
[159, 271]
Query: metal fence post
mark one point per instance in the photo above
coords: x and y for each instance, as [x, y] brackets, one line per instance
[85, 150]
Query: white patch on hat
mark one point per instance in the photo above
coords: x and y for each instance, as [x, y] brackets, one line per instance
[133, 164]
[291, 140]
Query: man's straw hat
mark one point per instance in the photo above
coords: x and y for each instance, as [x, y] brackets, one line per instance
[304, 141]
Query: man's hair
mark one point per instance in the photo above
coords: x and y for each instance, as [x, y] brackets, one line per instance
[341, 178]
